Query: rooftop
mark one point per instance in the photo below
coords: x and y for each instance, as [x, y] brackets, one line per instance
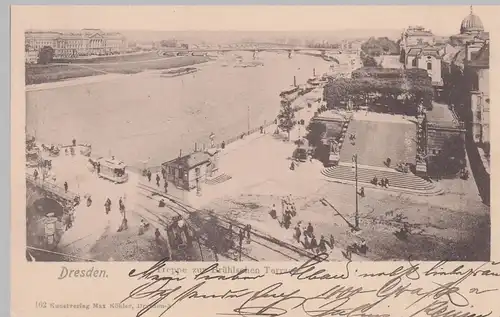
[423, 50]
[189, 161]
[113, 162]
[471, 24]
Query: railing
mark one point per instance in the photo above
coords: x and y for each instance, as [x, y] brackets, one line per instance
[52, 188]
[239, 137]
[157, 168]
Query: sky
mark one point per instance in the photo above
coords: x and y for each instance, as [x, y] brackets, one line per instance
[442, 20]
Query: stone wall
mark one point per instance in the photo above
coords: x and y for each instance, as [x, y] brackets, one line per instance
[446, 151]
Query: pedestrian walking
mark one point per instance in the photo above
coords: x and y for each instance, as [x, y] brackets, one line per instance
[362, 192]
[322, 245]
[107, 206]
[314, 243]
[66, 187]
[157, 180]
[298, 233]
[310, 230]
[307, 245]
[157, 235]
[35, 174]
[273, 212]
[122, 205]
[332, 241]
[166, 186]
[149, 176]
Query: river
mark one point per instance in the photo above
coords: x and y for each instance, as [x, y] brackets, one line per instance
[141, 116]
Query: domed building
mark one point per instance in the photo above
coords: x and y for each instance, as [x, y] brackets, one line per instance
[470, 28]
[471, 24]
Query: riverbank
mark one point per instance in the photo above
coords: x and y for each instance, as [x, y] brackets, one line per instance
[40, 74]
[147, 117]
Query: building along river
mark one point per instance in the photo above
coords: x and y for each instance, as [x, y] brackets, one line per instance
[141, 116]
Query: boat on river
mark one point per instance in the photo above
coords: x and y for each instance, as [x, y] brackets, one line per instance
[248, 64]
[316, 81]
[290, 93]
[179, 72]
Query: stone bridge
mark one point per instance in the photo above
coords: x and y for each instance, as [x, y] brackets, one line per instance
[250, 48]
[39, 191]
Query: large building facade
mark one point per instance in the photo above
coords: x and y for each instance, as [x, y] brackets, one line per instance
[427, 58]
[416, 36]
[87, 42]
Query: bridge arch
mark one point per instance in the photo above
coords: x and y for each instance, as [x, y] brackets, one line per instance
[38, 204]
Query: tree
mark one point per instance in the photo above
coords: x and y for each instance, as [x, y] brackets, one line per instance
[386, 83]
[377, 46]
[286, 117]
[46, 55]
[315, 132]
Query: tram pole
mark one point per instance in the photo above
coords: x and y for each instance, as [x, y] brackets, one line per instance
[355, 166]
[356, 177]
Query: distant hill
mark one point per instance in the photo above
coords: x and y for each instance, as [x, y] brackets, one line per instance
[282, 37]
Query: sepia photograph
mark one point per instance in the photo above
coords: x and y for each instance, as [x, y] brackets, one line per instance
[365, 143]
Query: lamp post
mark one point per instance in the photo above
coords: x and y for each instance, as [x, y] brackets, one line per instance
[355, 168]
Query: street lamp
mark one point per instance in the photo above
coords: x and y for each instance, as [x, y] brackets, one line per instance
[355, 168]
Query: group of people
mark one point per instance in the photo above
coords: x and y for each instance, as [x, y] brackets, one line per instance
[309, 242]
[288, 211]
[384, 182]
[158, 179]
[464, 174]
[107, 205]
[305, 236]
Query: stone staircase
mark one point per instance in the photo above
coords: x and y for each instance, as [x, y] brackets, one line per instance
[218, 179]
[376, 141]
[397, 181]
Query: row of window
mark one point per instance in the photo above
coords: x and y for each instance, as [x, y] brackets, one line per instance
[414, 63]
[179, 172]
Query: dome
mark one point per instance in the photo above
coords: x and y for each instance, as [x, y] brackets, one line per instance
[471, 23]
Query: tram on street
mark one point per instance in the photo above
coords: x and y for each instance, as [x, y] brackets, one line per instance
[113, 170]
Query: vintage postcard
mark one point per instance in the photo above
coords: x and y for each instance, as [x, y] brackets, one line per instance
[253, 161]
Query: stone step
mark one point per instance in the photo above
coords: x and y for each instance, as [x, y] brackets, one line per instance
[400, 180]
[219, 179]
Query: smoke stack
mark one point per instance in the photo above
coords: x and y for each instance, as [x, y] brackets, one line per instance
[195, 147]
[180, 153]
[295, 81]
